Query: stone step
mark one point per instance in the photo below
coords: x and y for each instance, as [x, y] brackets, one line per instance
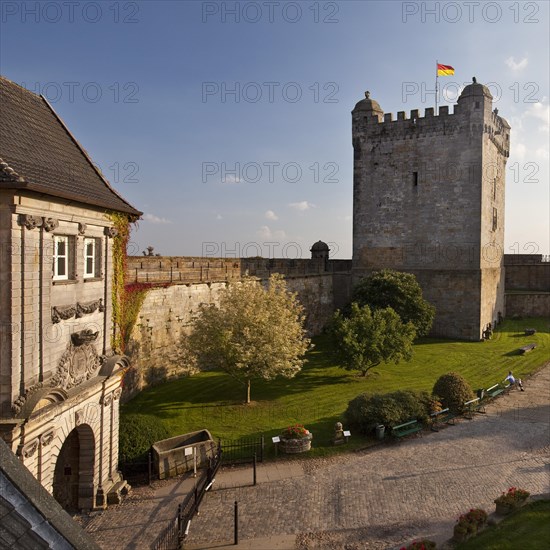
[118, 491]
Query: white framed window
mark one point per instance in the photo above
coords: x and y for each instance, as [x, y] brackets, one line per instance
[61, 257]
[91, 258]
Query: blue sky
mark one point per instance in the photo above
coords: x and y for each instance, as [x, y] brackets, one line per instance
[234, 136]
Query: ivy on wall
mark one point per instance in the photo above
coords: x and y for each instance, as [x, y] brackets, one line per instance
[127, 298]
[121, 222]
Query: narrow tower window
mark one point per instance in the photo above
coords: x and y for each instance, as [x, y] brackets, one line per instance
[495, 219]
[415, 178]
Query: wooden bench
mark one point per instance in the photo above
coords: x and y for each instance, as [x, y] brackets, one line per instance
[493, 391]
[473, 406]
[527, 348]
[411, 427]
[442, 417]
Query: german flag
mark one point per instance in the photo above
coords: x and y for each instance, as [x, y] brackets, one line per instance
[445, 70]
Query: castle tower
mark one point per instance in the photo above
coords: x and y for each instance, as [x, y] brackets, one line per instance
[429, 199]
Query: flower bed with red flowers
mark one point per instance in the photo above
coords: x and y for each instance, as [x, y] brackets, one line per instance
[512, 497]
[423, 544]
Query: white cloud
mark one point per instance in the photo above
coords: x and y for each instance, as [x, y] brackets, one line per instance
[519, 150]
[516, 65]
[151, 218]
[230, 178]
[265, 233]
[301, 206]
[219, 217]
[540, 112]
[542, 152]
[270, 215]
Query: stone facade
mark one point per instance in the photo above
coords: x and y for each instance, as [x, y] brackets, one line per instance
[429, 200]
[59, 379]
[56, 366]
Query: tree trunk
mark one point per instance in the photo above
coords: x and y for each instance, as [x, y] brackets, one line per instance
[248, 391]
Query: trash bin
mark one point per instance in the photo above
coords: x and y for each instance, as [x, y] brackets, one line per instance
[380, 430]
[480, 393]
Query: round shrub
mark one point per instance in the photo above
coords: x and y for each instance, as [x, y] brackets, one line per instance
[367, 411]
[137, 432]
[453, 390]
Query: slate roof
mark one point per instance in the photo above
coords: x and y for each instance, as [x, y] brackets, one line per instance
[29, 516]
[39, 153]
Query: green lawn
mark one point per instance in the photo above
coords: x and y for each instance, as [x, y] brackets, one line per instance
[526, 529]
[318, 396]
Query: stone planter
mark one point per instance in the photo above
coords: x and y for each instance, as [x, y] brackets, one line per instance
[295, 446]
[174, 456]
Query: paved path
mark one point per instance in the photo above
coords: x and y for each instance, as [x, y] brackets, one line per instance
[379, 498]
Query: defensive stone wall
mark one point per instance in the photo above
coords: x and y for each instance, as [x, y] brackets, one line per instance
[188, 269]
[527, 285]
[167, 312]
[528, 277]
[528, 304]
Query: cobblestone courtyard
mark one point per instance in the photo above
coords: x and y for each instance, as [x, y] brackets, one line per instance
[371, 499]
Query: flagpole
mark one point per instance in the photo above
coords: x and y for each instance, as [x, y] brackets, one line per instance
[436, 86]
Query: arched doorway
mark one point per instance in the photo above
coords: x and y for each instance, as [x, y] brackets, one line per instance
[73, 482]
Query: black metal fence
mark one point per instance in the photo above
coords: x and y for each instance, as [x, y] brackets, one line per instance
[174, 535]
[242, 451]
[138, 472]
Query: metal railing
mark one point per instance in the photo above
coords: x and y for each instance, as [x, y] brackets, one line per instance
[243, 450]
[173, 536]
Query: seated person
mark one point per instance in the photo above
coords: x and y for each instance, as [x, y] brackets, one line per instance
[513, 382]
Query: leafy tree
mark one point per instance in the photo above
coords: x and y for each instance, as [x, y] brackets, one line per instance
[366, 338]
[254, 332]
[401, 292]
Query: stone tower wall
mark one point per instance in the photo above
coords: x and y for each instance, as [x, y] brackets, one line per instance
[425, 190]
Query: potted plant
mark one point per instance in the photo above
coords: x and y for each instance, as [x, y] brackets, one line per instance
[295, 439]
[510, 500]
[469, 524]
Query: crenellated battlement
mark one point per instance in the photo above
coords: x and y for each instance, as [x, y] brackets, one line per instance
[382, 127]
[415, 114]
